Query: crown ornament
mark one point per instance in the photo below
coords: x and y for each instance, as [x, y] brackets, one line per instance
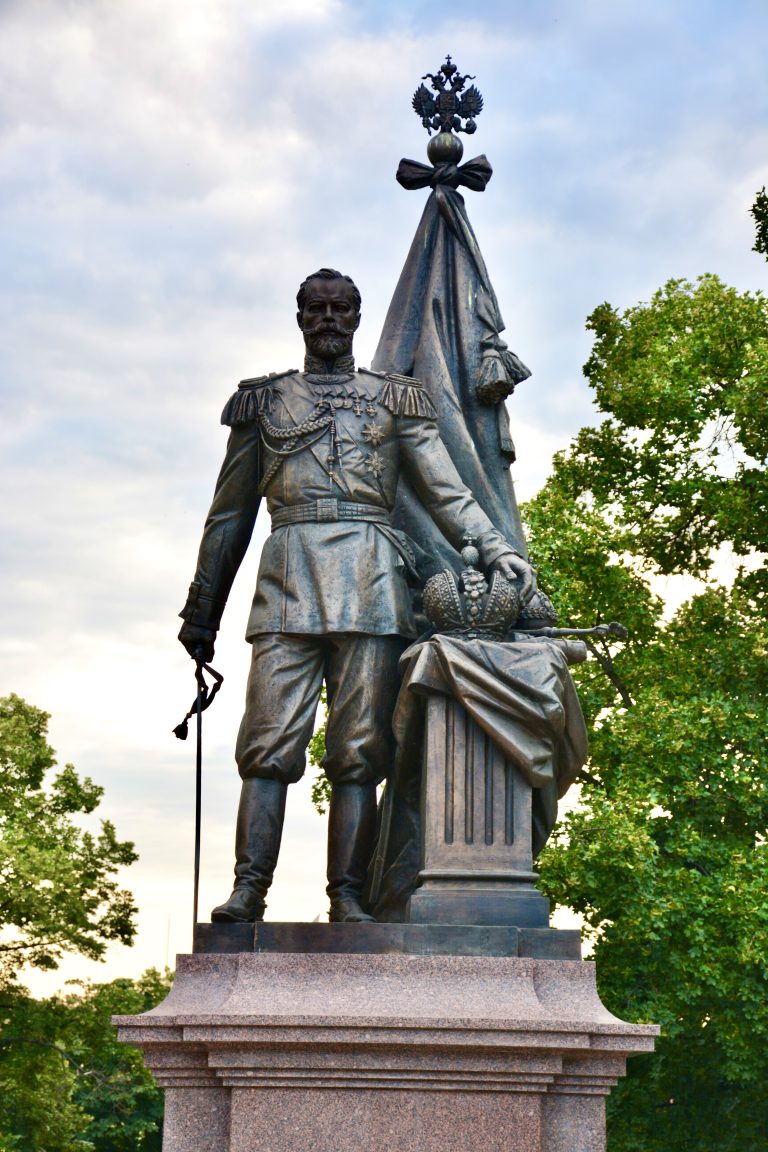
[451, 104]
[539, 613]
[471, 607]
[474, 608]
[447, 109]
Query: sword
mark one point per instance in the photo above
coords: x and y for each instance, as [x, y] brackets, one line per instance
[204, 698]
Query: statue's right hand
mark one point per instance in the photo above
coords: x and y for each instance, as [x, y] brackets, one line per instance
[197, 639]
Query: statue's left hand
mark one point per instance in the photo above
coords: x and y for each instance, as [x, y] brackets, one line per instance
[519, 571]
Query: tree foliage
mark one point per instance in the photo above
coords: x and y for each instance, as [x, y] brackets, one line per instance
[759, 212]
[680, 461]
[321, 785]
[65, 1081]
[666, 855]
[58, 890]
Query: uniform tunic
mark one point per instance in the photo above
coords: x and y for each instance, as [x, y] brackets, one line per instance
[329, 575]
[332, 603]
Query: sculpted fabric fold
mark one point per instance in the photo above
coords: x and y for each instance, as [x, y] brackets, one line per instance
[443, 327]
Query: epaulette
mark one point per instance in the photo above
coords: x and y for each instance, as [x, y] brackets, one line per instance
[404, 395]
[253, 397]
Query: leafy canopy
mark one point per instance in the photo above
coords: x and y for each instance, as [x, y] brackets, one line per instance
[666, 855]
[759, 212]
[66, 1082]
[58, 890]
[680, 461]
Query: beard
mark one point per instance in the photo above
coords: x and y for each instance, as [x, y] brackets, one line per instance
[328, 345]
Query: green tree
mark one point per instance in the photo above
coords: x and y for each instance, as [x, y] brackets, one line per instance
[759, 212]
[321, 785]
[680, 460]
[65, 1081]
[58, 891]
[666, 856]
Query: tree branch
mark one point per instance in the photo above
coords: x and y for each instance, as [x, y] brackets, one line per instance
[6, 1042]
[606, 663]
[30, 944]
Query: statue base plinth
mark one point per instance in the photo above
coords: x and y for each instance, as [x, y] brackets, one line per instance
[443, 901]
[539, 943]
[347, 1052]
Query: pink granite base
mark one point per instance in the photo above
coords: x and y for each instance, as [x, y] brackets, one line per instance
[274, 1121]
[196, 1118]
[350, 1052]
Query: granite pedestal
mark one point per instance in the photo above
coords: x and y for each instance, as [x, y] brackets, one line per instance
[351, 1052]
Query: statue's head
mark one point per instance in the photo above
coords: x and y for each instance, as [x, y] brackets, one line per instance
[329, 313]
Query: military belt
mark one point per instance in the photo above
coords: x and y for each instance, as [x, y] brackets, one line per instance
[326, 511]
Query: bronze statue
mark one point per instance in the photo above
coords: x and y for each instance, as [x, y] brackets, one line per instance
[326, 448]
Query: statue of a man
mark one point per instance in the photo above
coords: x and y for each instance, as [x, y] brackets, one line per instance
[325, 447]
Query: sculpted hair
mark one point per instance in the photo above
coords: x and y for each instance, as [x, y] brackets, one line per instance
[327, 274]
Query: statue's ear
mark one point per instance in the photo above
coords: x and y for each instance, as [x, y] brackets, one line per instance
[357, 321]
[298, 319]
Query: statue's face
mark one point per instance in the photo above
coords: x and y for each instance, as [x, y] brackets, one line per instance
[329, 318]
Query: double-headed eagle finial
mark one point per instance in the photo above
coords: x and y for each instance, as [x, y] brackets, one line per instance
[445, 111]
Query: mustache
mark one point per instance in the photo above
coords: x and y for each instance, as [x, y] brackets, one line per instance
[330, 329]
[328, 338]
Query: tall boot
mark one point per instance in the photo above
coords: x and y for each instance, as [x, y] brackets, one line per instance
[351, 830]
[257, 844]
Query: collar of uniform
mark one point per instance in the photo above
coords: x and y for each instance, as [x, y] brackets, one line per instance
[314, 366]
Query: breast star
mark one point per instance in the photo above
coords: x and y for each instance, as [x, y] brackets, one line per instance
[373, 434]
[375, 464]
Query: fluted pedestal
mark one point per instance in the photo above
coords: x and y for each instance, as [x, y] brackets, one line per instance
[476, 829]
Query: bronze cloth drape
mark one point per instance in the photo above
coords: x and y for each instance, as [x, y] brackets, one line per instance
[522, 696]
[443, 328]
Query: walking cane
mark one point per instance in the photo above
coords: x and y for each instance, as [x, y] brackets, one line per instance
[203, 700]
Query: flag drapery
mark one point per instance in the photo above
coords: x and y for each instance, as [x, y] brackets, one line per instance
[443, 327]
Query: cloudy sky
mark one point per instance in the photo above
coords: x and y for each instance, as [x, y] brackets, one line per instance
[170, 172]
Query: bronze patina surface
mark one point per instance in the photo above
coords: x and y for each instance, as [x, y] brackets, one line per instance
[326, 448]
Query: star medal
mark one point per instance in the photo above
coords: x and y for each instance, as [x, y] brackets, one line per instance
[375, 464]
[373, 434]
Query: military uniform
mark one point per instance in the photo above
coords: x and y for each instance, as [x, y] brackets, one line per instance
[332, 603]
[332, 599]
